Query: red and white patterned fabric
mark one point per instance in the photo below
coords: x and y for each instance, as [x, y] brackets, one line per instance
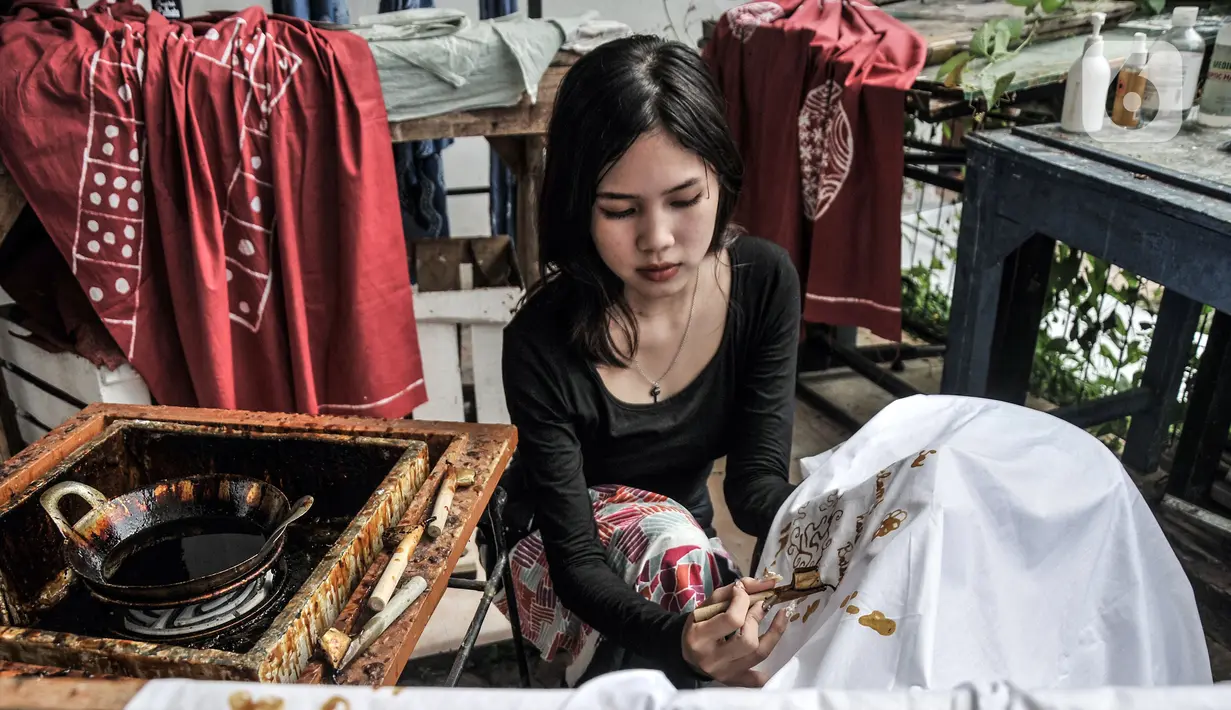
[224, 193]
[652, 542]
[815, 96]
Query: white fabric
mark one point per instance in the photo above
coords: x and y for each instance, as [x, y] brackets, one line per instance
[650, 690]
[969, 540]
[593, 32]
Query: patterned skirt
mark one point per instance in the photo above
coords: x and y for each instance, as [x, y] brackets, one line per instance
[653, 543]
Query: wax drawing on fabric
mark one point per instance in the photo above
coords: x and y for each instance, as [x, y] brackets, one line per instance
[806, 540]
[937, 531]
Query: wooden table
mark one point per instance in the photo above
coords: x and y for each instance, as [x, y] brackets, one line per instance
[519, 135]
[485, 448]
[1158, 210]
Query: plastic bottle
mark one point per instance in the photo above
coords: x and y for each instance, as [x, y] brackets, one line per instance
[1085, 90]
[1131, 85]
[1215, 107]
[1167, 79]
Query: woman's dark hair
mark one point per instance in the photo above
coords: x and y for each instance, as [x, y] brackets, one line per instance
[608, 99]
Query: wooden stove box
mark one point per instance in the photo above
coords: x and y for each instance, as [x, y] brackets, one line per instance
[373, 474]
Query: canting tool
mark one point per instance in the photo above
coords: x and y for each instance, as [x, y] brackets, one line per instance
[805, 581]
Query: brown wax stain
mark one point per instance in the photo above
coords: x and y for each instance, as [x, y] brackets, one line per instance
[243, 701]
[846, 603]
[811, 608]
[892, 522]
[336, 703]
[879, 623]
[923, 456]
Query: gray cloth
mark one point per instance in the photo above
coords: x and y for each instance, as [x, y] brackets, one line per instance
[435, 61]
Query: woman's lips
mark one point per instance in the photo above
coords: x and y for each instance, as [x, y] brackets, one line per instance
[659, 272]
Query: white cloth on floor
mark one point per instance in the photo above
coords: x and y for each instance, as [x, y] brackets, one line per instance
[650, 690]
[963, 540]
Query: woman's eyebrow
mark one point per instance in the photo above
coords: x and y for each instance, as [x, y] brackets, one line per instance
[625, 196]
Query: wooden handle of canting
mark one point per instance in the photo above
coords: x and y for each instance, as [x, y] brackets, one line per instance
[393, 571]
[709, 611]
[440, 513]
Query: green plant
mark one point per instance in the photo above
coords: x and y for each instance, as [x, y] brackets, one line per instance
[994, 42]
[1092, 312]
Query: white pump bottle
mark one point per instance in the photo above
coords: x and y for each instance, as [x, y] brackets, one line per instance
[1085, 91]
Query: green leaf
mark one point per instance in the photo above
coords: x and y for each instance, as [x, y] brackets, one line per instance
[1028, 4]
[994, 87]
[982, 39]
[950, 72]
[1156, 5]
[1014, 25]
[1057, 345]
[1050, 6]
[1001, 41]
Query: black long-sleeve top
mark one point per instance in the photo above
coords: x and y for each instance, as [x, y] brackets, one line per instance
[573, 435]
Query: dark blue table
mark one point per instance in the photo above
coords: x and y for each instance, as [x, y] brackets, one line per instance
[1161, 211]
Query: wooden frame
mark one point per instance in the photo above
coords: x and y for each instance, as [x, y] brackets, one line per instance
[483, 448]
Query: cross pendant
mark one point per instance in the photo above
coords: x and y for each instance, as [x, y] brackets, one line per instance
[655, 390]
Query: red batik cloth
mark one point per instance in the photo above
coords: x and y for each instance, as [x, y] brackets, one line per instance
[815, 96]
[224, 192]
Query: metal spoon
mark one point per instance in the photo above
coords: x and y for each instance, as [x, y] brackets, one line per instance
[298, 510]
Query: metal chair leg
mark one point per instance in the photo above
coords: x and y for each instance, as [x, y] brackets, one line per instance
[496, 512]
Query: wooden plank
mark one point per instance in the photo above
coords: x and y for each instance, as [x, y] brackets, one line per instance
[384, 661]
[529, 183]
[526, 118]
[28, 466]
[486, 345]
[18, 693]
[442, 372]
[948, 26]
[484, 306]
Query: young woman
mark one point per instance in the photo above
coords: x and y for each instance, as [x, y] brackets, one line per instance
[656, 343]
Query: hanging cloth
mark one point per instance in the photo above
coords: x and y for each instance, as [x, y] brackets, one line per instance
[336, 11]
[815, 95]
[503, 193]
[241, 254]
[420, 169]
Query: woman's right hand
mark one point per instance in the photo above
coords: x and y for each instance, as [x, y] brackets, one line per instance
[727, 646]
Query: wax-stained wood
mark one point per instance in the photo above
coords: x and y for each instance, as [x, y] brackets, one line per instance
[483, 448]
[35, 693]
[383, 662]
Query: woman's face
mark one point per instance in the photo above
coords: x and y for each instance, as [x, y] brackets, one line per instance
[654, 216]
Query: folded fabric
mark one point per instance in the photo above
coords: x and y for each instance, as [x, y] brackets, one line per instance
[434, 61]
[961, 540]
[593, 32]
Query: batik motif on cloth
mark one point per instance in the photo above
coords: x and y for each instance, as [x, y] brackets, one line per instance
[653, 543]
[961, 540]
[814, 92]
[223, 191]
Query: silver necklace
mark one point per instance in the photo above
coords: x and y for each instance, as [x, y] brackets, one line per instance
[655, 388]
